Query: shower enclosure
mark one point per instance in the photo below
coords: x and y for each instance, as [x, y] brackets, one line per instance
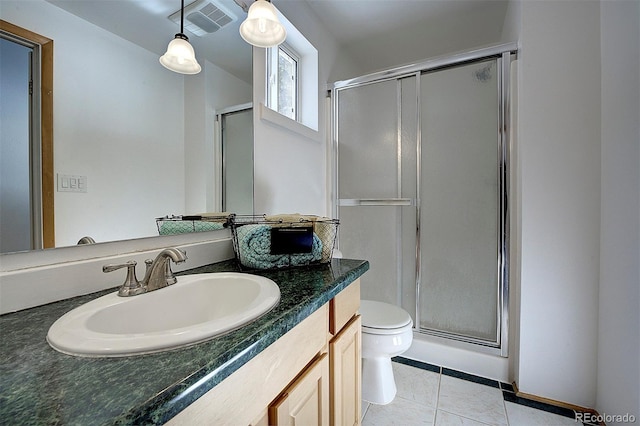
[420, 188]
[235, 133]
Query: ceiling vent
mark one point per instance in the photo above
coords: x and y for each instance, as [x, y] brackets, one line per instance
[204, 17]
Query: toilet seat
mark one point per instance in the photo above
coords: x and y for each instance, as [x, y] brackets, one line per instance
[383, 318]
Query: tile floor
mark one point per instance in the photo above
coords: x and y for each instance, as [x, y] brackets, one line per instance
[430, 395]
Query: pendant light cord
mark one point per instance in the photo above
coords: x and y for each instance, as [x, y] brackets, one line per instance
[180, 56]
[182, 17]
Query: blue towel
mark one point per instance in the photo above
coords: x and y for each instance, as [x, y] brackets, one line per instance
[254, 247]
[172, 227]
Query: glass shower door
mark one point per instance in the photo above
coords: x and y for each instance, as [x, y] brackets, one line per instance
[376, 186]
[237, 154]
[459, 193]
[422, 166]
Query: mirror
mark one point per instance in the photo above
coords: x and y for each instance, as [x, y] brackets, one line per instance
[143, 138]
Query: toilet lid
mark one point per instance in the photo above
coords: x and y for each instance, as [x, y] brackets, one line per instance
[383, 315]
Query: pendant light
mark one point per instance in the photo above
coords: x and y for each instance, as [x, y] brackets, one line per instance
[262, 27]
[180, 56]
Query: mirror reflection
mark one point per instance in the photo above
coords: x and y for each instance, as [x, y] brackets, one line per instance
[132, 140]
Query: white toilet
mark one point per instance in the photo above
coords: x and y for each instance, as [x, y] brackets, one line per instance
[386, 332]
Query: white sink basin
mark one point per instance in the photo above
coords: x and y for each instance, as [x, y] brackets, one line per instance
[196, 308]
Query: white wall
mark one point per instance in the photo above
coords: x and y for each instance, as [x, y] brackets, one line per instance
[559, 150]
[290, 169]
[512, 25]
[619, 300]
[211, 89]
[579, 153]
[143, 135]
[223, 90]
[111, 124]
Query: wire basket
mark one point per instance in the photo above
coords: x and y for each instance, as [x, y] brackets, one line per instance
[173, 225]
[282, 241]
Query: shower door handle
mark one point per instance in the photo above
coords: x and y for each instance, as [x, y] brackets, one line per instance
[353, 202]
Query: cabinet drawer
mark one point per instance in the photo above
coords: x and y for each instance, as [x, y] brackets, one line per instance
[343, 307]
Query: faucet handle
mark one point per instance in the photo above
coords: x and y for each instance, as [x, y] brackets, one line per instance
[131, 285]
[179, 257]
[168, 274]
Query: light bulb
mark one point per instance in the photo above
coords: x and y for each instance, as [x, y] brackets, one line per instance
[180, 56]
[262, 27]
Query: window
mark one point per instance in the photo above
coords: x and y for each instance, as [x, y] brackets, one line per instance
[282, 83]
[291, 86]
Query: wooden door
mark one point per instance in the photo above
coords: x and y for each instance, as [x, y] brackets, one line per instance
[306, 401]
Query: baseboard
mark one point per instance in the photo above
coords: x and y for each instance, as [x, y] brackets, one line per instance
[561, 404]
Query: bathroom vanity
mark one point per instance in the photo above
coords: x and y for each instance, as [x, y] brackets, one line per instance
[309, 376]
[300, 359]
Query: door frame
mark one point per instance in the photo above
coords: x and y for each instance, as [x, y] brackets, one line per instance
[44, 48]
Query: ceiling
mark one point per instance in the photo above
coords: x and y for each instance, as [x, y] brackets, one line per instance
[354, 20]
[146, 23]
[380, 34]
[360, 26]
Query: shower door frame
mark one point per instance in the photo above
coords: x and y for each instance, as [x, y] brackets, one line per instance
[504, 55]
[221, 157]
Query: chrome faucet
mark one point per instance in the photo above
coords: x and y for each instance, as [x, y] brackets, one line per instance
[86, 240]
[157, 275]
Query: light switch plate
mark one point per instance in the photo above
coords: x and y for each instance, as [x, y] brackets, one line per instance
[72, 183]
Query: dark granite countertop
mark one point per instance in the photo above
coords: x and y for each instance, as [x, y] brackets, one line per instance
[40, 386]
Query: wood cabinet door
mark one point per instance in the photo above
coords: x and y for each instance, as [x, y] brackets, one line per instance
[306, 401]
[345, 370]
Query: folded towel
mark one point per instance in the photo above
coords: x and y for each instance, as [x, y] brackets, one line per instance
[173, 227]
[254, 249]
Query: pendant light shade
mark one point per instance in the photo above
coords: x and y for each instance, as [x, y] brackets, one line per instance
[180, 56]
[262, 27]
